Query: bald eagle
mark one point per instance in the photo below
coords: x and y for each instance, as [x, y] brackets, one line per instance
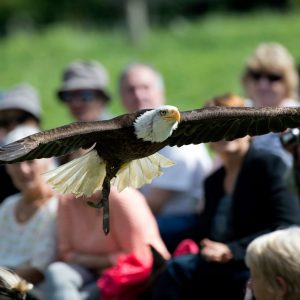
[125, 148]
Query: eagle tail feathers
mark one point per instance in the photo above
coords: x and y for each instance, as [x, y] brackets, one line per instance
[80, 176]
[140, 171]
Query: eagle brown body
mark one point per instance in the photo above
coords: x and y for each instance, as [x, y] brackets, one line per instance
[126, 146]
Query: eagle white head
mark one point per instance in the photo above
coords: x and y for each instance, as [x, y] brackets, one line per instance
[158, 124]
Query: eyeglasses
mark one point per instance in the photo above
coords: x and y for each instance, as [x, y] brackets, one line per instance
[83, 95]
[271, 77]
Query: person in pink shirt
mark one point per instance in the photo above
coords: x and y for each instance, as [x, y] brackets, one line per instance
[84, 251]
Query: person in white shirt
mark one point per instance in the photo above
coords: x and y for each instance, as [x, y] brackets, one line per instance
[28, 219]
[175, 197]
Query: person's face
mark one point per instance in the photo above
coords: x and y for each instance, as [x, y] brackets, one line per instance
[26, 175]
[84, 105]
[140, 90]
[225, 148]
[266, 88]
[260, 288]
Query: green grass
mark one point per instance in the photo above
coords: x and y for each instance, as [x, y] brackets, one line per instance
[198, 60]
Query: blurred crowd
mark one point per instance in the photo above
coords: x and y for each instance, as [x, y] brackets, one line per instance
[222, 223]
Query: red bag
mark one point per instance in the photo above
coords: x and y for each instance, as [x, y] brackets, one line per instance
[186, 246]
[126, 280]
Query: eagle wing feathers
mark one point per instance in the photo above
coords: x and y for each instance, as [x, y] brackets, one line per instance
[198, 126]
[216, 123]
[65, 139]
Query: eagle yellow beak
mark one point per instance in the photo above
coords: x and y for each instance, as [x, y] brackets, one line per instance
[173, 114]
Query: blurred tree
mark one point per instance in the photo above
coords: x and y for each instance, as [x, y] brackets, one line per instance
[137, 19]
[294, 4]
[137, 14]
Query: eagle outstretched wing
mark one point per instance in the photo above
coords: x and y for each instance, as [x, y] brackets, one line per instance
[216, 123]
[197, 126]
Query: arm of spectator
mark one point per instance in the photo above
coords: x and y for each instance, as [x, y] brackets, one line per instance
[64, 236]
[92, 262]
[215, 251]
[157, 198]
[29, 273]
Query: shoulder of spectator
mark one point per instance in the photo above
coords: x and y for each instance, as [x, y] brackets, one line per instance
[263, 157]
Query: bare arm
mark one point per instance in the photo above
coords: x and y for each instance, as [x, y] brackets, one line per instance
[157, 198]
[97, 262]
[214, 251]
[29, 273]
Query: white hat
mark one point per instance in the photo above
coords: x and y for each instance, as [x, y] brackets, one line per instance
[85, 75]
[23, 97]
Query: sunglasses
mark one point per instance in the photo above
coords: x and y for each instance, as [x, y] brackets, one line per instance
[8, 119]
[83, 95]
[271, 77]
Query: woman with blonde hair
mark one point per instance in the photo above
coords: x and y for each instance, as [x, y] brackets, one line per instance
[274, 263]
[270, 77]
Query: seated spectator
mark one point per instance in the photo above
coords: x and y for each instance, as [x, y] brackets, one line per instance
[245, 198]
[84, 251]
[18, 106]
[84, 91]
[290, 140]
[270, 79]
[274, 263]
[27, 219]
[173, 197]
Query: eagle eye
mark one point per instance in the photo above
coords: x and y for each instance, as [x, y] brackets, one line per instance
[163, 112]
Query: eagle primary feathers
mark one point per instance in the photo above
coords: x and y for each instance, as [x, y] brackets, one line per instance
[125, 148]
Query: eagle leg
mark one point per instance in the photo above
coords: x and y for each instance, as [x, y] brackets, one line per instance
[111, 171]
[105, 204]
